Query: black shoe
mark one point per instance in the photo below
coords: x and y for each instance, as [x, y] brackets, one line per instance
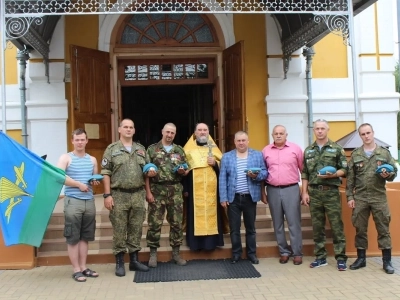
[360, 262]
[120, 266]
[135, 265]
[254, 260]
[387, 264]
[235, 259]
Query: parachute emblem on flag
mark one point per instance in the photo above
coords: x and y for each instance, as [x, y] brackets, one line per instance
[10, 190]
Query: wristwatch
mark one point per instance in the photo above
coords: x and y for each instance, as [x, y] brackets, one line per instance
[106, 195]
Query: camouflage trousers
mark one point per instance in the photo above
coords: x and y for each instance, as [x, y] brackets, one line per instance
[380, 214]
[327, 204]
[127, 219]
[166, 198]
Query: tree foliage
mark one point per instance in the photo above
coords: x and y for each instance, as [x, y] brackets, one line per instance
[397, 78]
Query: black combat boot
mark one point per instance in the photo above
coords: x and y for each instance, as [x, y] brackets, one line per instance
[120, 266]
[387, 261]
[361, 260]
[135, 265]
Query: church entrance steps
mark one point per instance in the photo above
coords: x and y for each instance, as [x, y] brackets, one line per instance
[53, 250]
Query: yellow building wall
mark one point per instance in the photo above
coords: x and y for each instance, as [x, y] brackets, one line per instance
[80, 31]
[15, 134]
[251, 29]
[11, 65]
[337, 130]
[330, 59]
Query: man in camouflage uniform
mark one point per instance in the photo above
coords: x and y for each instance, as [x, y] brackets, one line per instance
[321, 193]
[124, 195]
[366, 193]
[164, 193]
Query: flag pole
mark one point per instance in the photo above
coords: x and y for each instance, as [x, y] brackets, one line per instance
[3, 67]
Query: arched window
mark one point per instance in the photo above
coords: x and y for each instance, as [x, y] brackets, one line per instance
[157, 30]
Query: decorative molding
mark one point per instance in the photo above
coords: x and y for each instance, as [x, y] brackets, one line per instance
[300, 38]
[282, 56]
[60, 7]
[41, 60]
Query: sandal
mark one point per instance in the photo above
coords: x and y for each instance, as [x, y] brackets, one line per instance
[90, 273]
[78, 275]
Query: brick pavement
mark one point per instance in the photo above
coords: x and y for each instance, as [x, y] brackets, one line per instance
[277, 282]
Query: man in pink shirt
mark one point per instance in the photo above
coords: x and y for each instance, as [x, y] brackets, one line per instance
[284, 162]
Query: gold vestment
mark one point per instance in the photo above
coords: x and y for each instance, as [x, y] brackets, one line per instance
[205, 186]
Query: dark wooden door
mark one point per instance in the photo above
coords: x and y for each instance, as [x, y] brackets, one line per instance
[90, 93]
[215, 131]
[234, 99]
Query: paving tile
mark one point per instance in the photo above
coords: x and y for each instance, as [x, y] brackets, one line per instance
[277, 282]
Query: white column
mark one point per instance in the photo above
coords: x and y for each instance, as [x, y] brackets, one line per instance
[47, 106]
[287, 98]
[379, 103]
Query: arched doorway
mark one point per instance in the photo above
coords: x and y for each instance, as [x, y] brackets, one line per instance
[161, 79]
[173, 58]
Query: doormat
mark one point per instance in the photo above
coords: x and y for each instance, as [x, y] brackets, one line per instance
[202, 269]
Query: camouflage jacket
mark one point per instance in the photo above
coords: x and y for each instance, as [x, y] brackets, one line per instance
[166, 162]
[362, 181]
[331, 154]
[124, 168]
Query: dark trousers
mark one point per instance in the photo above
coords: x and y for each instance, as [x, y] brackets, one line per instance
[242, 204]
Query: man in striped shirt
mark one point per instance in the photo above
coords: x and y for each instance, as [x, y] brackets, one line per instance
[242, 171]
[79, 206]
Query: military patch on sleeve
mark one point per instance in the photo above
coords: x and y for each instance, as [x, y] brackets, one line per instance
[104, 162]
[140, 152]
[344, 164]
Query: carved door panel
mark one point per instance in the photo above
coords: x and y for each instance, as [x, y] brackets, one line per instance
[234, 93]
[90, 94]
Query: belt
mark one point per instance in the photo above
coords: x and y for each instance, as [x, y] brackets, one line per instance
[323, 187]
[241, 195]
[167, 182]
[129, 191]
[282, 186]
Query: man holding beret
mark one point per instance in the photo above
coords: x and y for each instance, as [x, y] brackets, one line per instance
[164, 193]
[124, 195]
[370, 166]
[321, 193]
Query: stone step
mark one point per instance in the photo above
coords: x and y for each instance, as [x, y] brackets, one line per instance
[103, 256]
[105, 242]
[102, 214]
[104, 228]
[53, 250]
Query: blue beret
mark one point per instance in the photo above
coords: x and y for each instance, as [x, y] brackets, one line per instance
[184, 166]
[97, 177]
[327, 170]
[253, 170]
[384, 168]
[147, 167]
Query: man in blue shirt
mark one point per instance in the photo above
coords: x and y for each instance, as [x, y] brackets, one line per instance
[242, 171]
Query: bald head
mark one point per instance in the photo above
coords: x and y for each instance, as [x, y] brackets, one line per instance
[168, 134]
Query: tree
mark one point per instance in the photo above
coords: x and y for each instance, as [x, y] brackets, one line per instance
[397, 79]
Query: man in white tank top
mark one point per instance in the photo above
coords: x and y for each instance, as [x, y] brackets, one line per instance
[79, 206]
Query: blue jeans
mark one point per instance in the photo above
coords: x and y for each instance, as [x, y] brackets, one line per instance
[242, 204]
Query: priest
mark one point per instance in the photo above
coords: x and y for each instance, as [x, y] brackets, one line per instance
[204, 215]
